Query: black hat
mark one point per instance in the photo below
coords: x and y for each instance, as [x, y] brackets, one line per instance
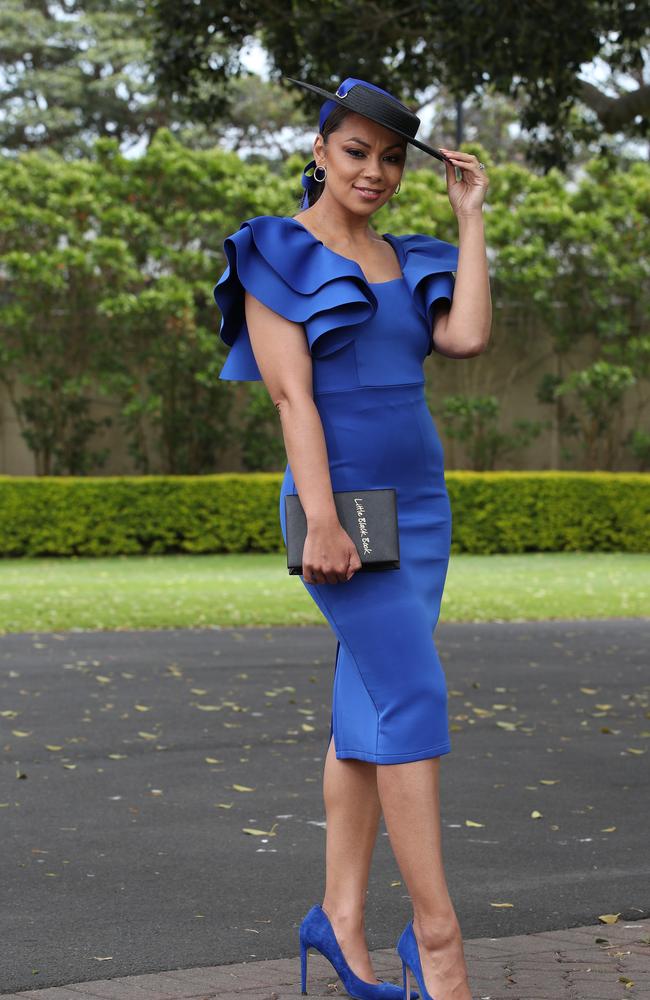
[371, 101]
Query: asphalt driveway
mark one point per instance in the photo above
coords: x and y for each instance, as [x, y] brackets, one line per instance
[123, 843]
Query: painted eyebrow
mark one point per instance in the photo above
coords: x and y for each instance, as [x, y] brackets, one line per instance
[355, 138]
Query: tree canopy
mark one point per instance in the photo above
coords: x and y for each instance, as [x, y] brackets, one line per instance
[75, 70]
[534, 51]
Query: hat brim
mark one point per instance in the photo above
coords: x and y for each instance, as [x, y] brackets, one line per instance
[344, 103]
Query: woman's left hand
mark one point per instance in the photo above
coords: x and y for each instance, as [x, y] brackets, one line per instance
[468, 194]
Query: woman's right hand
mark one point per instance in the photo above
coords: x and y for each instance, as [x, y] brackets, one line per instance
[329, 554]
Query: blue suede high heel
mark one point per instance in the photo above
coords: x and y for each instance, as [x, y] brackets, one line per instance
[317, 932]
[407, 949]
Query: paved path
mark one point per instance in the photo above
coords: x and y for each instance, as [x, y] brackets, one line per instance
[123, 851]
[605, 962]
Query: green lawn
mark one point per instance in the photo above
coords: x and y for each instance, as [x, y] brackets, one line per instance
[131, 592]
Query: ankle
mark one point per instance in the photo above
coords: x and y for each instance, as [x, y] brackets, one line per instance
[438, 931]
[344, 915]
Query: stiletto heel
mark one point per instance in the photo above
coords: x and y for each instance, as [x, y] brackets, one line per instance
[303, 968]
[406, 975]
[317, 932]
[407, 949]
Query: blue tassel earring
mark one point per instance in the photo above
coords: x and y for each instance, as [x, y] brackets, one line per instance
[309, 180]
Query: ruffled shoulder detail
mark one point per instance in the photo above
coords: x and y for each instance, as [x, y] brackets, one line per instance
[283, 265]
[427, 265]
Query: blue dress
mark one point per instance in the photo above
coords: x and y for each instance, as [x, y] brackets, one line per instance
[368, 342]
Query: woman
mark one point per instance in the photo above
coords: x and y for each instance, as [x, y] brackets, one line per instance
[337, 321]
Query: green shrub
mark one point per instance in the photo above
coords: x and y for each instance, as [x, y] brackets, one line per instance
[231, 512]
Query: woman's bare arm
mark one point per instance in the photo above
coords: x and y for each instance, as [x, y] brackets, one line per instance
[463, 330]
[282, 355]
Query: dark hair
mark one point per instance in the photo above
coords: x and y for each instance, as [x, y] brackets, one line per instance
[333, 122]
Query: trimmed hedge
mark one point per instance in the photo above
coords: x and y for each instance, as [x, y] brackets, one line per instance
[232, 512]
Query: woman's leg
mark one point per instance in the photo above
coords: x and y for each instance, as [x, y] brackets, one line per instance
[410, 799]
[352, 810]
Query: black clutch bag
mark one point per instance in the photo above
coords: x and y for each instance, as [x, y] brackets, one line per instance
[368, 516]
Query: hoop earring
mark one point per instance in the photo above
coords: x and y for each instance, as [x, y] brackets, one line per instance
[320, 179]
[399, 184]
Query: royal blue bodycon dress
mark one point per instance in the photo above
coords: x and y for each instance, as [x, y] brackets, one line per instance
[368, 342]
